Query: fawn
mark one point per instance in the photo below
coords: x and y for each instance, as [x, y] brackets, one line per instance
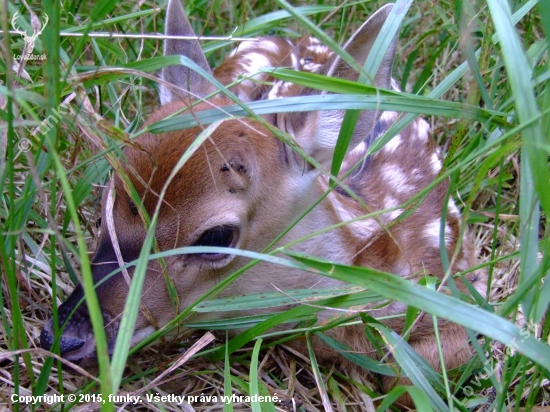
[244, 186]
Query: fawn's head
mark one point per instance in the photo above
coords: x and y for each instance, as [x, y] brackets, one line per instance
[241, 188]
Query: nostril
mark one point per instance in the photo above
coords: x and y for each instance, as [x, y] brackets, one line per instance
[70, 344]
[67, 344]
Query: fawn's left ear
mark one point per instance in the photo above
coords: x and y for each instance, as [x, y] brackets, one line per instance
[181, 77]
[317, 132]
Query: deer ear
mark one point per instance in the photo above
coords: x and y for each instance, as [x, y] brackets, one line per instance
[182, 77]
[318, 131]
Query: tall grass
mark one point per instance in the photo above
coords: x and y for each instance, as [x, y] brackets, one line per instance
[477, 71]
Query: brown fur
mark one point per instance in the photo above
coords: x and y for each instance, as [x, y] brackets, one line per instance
[245, 178]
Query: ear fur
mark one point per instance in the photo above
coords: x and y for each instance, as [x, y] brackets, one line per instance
[318, 131]
[183, 78]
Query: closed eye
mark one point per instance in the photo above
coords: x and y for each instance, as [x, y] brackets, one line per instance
[219, 236]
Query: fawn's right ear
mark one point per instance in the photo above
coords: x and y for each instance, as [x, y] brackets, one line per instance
[181, 78]
[317, 131]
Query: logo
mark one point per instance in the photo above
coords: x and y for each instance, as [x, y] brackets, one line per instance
[29, 39]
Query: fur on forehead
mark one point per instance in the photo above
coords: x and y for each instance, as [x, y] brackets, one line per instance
[232, 159]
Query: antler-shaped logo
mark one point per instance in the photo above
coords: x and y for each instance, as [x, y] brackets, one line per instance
[29, 40]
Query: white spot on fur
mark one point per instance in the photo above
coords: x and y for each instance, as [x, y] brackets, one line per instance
[394, 85]
[265, 45]
[275, 91]
[359, 149]
[314, 41]
[254, 62]
[416, 174]
[295, 62]
[389, 202]
[396, 179]
[393, 215]
[392, 145]
[243, 47]
[432, 233]
[318, 48]
[314, 55]
[362, 229]
[422, 130]
[452, 209]
[280, 89]
[435, 163]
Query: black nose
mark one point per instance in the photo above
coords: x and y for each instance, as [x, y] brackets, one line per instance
[67, 343]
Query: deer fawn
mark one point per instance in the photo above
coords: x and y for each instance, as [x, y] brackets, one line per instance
[244, 186]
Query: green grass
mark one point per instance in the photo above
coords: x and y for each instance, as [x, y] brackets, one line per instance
[478, 71]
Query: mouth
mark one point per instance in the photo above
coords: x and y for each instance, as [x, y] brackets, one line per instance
[86, 355]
